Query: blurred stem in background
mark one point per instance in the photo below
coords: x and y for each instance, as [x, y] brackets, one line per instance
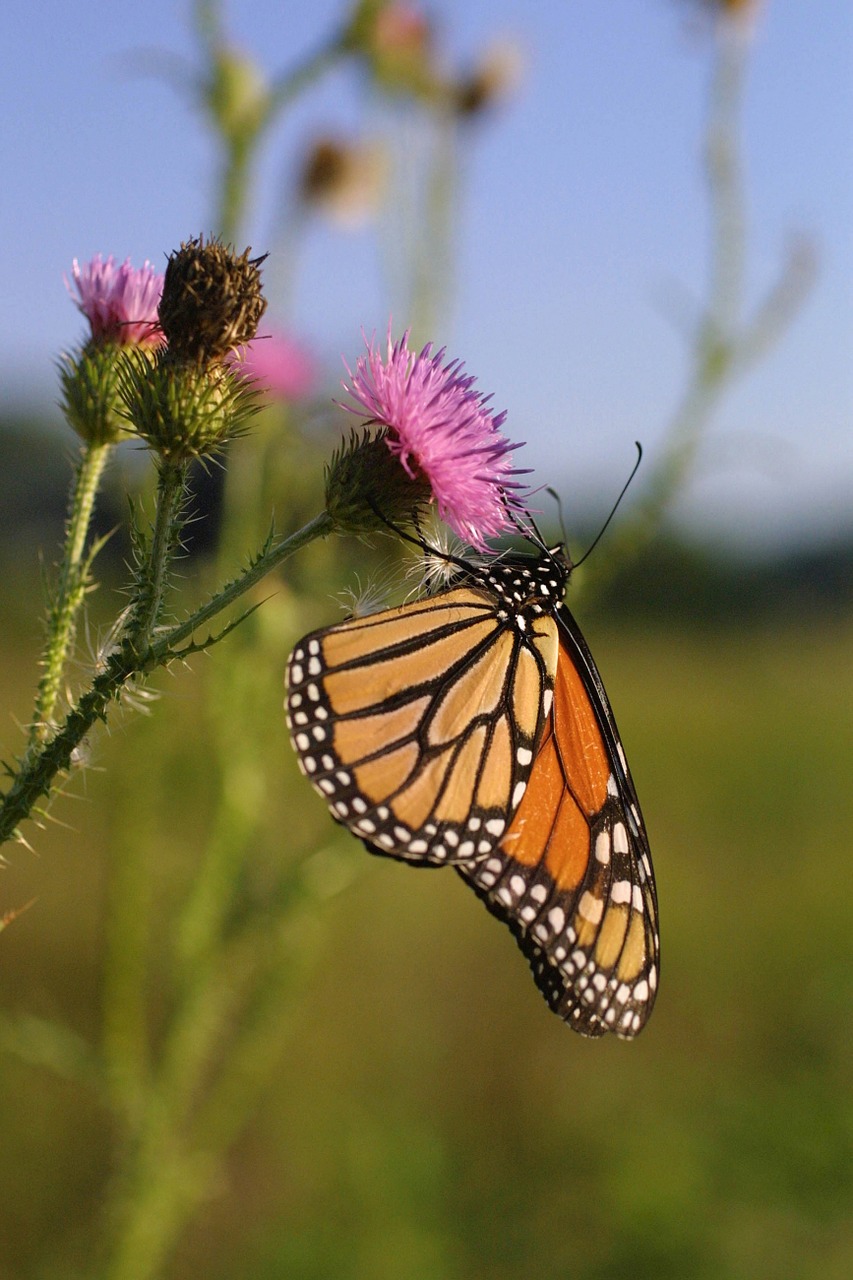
[241, 107]
[726, 342]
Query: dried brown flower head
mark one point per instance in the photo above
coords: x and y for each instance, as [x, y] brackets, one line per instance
[212, 300]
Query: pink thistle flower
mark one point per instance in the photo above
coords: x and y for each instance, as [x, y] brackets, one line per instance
[120, 303]
[442, 431]
[276, 365]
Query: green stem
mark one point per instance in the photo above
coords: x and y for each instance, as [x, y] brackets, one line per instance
[162, 650]
[716, 347]
[127, 922]
[70, 590]
[136, 655]
[234, 188]
[291, 84]
[724, 176]
[153, 579]
[167, 1172]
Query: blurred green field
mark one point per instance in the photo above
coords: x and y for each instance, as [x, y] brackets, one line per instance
[428, 1118]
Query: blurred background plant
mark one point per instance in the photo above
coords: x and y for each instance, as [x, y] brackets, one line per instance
[233, 1042]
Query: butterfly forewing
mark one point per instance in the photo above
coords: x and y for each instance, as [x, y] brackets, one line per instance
[572, 876]
[419, 725]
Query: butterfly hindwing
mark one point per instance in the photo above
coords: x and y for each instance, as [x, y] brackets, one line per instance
[572, 877]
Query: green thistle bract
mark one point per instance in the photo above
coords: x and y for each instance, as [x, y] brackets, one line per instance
[184, 410]
[90, 398]
[364, 478]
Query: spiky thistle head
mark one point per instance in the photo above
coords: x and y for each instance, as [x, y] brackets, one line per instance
[446, 441]
[185, 400]
[120, 304]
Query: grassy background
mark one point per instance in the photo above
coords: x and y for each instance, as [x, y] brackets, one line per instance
[427, 1117]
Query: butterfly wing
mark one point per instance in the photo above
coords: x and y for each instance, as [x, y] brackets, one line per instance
[572, 877]
[418, 725]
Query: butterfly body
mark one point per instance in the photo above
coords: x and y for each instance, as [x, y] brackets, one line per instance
[471, 728]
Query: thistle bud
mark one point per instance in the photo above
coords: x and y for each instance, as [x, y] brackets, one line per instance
[494, 78]
[237, 95]
[89, 393]
[184, 410]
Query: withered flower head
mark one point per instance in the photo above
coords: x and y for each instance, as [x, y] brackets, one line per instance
[212, 300]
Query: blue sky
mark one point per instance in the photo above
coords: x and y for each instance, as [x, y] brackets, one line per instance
[582, 225]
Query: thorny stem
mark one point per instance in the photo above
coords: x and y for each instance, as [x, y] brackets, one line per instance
[171, 494]
[137, 655]
[163, 649]
[70, 590]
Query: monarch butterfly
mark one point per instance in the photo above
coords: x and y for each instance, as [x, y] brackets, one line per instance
[471, 728]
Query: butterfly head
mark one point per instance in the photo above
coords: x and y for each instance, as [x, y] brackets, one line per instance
[529, 584]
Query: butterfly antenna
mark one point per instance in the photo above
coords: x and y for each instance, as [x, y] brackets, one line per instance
[418, 541]
[553, 493]
[524, 527]
[615, 507]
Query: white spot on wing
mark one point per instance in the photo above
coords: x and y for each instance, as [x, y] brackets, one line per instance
[591, 908]
[620, 838]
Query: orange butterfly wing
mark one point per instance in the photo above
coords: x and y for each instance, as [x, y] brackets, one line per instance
[418, 725]
[572, 877]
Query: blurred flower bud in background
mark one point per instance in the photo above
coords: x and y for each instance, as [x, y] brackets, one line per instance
[237, 94]
[344, 180]
[493, 79]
